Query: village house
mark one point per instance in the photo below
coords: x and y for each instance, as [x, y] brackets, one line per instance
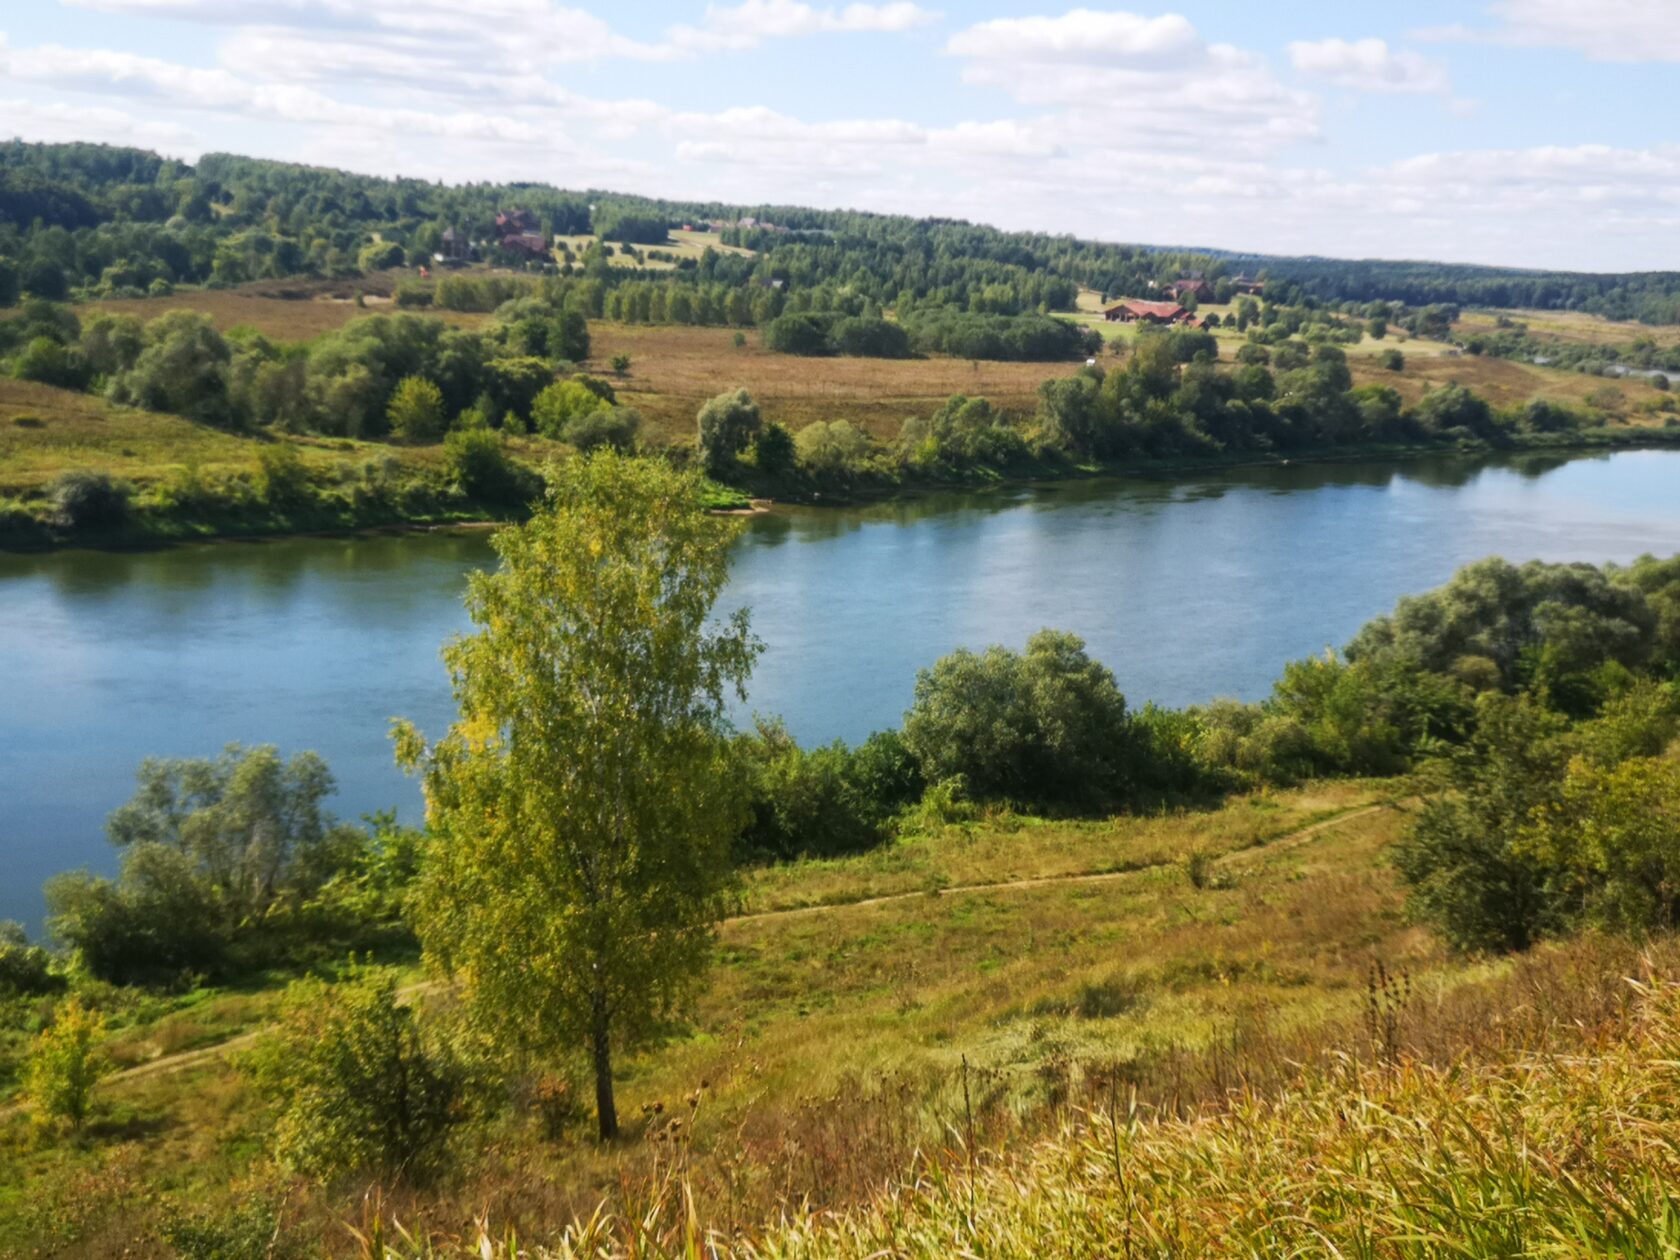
[516, 223]
[532, 244]
[1197, 288]
[1130, 312]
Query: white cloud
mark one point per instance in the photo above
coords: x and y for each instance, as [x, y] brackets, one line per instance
[1368, 65]
[1604, 30]
[58, 121]
[750, 23]
[1156, 80]
[1085, 37]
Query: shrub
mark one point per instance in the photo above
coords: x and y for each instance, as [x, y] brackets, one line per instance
[605, 426]
[25, 969]
[870, 336]
[726, 424]
[88, 501]
[799, 333]
[1047, 727]
[832, 447]
[282, 478]
[64, 1065]
[415, 411]
[355, 1086]
[1393, 360]
[774, 450]
[477, 461]
[50, 362]
[821, 802]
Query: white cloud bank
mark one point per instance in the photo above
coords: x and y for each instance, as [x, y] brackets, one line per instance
[1368, 65]
[1603, 30]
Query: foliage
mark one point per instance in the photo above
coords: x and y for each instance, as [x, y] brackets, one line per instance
[88, 501]
[476, 459]
[726, 425]
[64, 1064]
[354, 1084]
[220, 859]
[964, 434]
[25, 969]
[1044, 727]
[823, 802]
[415, 412]
[584, 797]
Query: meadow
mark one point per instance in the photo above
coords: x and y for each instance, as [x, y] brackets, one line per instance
[1029, 961]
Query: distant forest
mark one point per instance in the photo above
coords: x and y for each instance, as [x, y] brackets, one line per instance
[85, 220]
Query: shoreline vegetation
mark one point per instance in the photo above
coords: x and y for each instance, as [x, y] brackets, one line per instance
[154, 528]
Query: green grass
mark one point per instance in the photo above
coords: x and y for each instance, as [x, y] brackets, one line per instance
[830, 1044]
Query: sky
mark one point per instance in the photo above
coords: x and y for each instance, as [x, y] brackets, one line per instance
[1535, 133]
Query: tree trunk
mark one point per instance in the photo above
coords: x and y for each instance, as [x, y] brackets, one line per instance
[606, 1110]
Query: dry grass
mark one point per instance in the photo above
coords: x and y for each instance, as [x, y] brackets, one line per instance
[830, 1046]
[681, 245]
[45, 431]
[674, 369]
[286, 310]
[1505, 383]
[1571, 326]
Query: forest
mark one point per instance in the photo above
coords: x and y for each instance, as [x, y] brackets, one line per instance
[95, 220]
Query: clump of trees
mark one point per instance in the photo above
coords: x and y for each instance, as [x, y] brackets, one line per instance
[230, 865]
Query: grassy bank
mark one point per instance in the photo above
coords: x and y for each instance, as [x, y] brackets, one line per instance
[830, 1044]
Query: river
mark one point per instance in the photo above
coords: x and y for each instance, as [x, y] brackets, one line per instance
[1188, 588]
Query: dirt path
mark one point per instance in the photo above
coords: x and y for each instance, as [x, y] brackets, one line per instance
[1283, 844]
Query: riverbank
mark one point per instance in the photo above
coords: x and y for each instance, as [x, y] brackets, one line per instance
[336, 511]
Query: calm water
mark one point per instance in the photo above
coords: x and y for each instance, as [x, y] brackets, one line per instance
[1188, 589]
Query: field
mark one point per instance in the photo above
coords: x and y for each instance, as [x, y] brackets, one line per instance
[1571, 326]
[853, 1002]
[673, 369]
[680, 245]
[286, 310]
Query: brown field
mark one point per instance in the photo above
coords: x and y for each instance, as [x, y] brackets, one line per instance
[682, 245]
[675, 369]
[286, 310]
[1572, 326]
[1505, 383]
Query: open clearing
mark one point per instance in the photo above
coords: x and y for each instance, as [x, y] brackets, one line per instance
[286, 310]
[831, 1043]
[673, 369]
[681, 245]
[1570, 326]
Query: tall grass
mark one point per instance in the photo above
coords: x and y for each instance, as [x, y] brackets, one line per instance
[1539, 1117]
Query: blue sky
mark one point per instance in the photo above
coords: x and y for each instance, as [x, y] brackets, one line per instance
[1523, 132]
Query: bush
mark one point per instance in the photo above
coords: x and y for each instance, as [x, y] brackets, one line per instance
[832, 448]
[50, 362]
[1393, 360]
[64, 1065]
[25, 969]
[605, 426]
[354, 1085]
[774, 450]
[282, 478]
[799, 333]
[815, 803]
[477, 461]
[871, 337]
[88, 501]
[1047, 727]
[726, 424]
[415, 411]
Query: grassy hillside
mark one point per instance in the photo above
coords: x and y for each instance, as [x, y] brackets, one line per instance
[831, 1043]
